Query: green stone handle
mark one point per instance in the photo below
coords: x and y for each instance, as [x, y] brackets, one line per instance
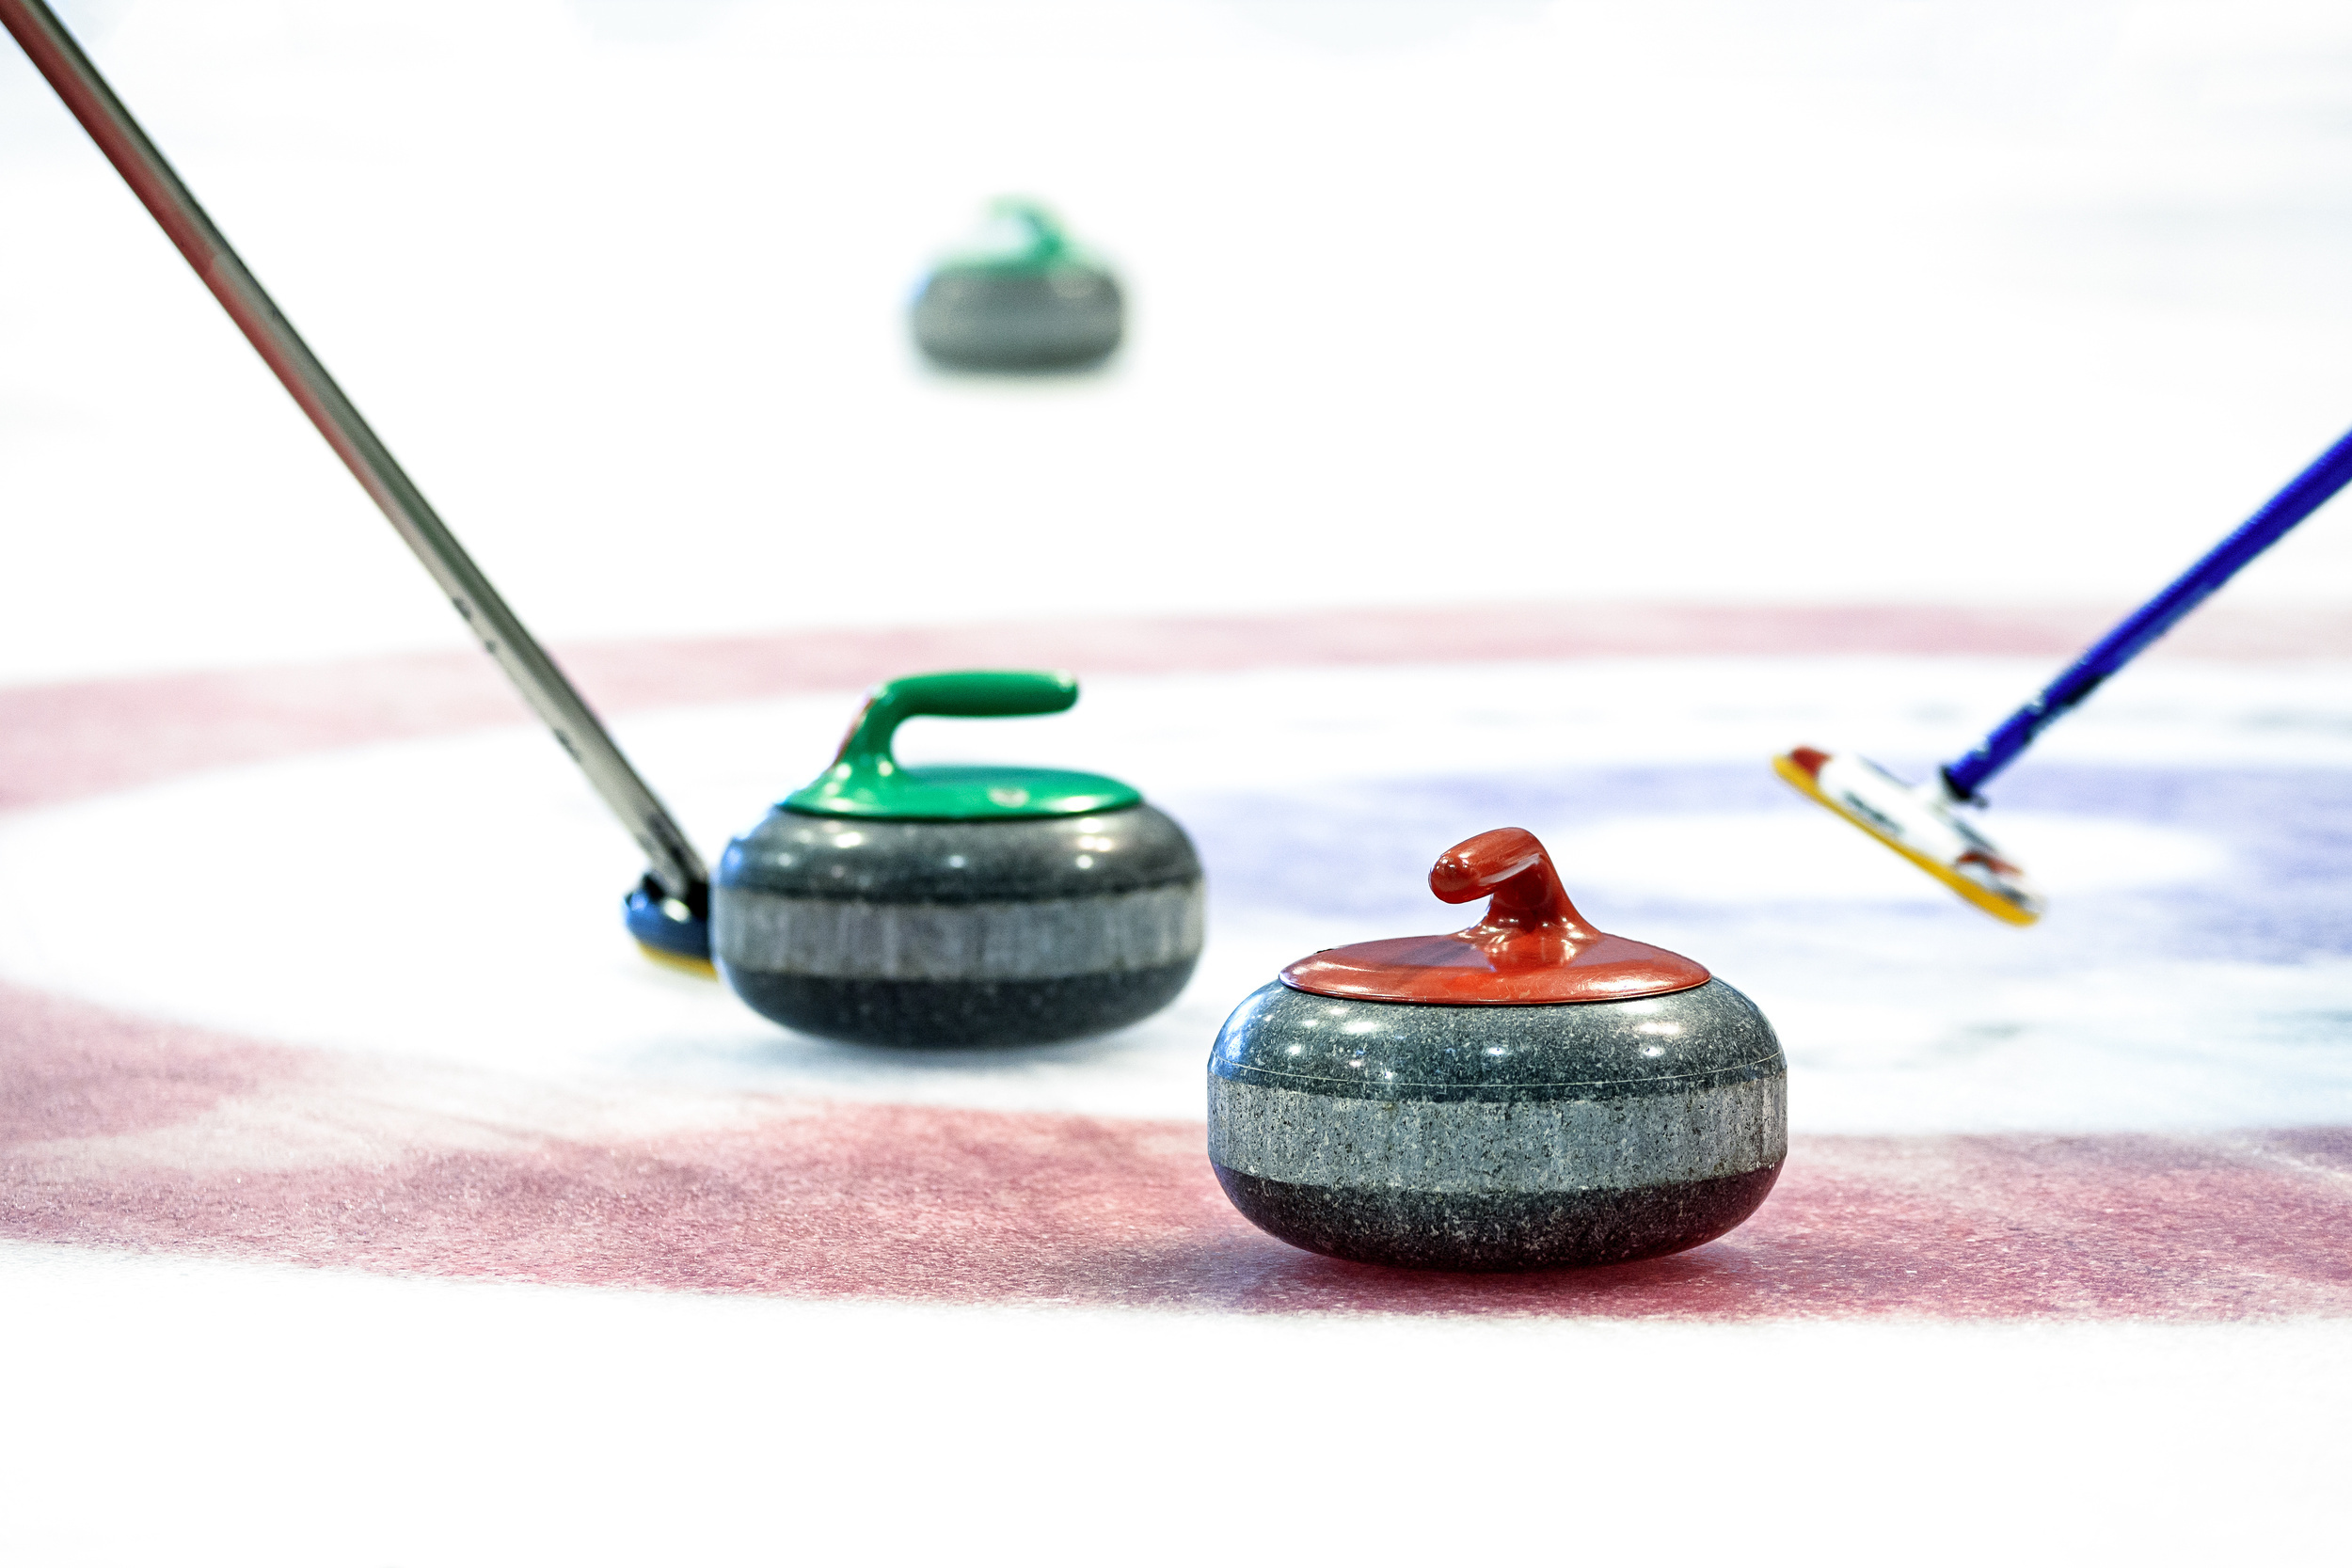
[955, 694]
[1020, 236]
[867, 780]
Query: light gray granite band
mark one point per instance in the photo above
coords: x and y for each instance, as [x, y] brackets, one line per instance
[1035, 940]
[1486, 1146]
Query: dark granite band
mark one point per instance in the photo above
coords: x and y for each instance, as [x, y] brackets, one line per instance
[1655, 1045]
[962, 1013]
[1487, 1232]
[892, 860]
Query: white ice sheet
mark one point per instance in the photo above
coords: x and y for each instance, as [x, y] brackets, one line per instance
[455, 898]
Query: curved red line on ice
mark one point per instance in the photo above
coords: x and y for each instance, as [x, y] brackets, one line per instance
[161, 1138]
[124, 1132]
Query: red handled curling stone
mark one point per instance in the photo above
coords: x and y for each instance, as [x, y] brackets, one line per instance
[1528, 1093]
[958, 906]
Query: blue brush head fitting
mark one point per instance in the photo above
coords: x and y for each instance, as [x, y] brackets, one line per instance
[679, 928]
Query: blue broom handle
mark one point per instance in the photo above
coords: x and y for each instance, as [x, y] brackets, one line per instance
[2305, 494]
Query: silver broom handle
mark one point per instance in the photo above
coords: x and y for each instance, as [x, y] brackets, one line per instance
[675, 865]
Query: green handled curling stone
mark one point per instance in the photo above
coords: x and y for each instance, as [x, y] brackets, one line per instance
[957, 906]
[1020, 297]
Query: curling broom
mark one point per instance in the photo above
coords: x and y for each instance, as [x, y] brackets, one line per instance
[1922, 822]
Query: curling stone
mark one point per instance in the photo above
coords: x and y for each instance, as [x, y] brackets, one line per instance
[1528, 1093]
[1021, 298]
[957, 906]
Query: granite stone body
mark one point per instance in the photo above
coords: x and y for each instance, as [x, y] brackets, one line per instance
[896, 933]
[1498, 1138]
[1059, 317]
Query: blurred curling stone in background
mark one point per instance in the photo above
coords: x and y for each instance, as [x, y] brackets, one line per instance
[958, 906]
[1019, 297]
[1528, 1093]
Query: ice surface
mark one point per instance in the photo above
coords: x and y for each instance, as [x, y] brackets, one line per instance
[455, 899]
[1716, 301]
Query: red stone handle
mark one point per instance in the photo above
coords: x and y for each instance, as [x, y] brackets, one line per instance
[1530, 947]
[1512, 864]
